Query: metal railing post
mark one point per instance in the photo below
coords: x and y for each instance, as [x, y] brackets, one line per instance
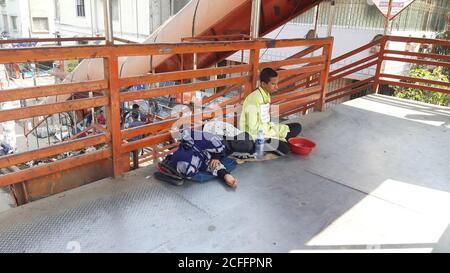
[380, 64]
[323, 80]
[111, 71]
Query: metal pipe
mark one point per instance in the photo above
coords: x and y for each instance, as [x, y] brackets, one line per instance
[75, 122]
[92, 17]
[331, 18]
[242, 61]
[120, 16]
[137, 20]
[30, 19]
[255, 19]
[161, 19]
[61, 126]
[349, 18]
[91, 95]
[108, 22]
[25, 124]
[48, 131]
[194, 65]
[195, 61]
[150, 12]
[316, 19]
[33, 69]
[388, 19]
[37, 140]
[69, 125]
[96, 17]
[429, 9]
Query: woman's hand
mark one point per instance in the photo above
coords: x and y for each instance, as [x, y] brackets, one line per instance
[214, 163]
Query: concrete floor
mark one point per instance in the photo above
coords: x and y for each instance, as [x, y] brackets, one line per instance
[378, 181]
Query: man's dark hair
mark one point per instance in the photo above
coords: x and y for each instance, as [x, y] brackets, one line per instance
[135, 115]
[267, 74]
[135, 106]
[101, 111]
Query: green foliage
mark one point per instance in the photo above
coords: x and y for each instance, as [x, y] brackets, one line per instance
[70, 65]
[439, 49]
[435, 74]
[443, 50]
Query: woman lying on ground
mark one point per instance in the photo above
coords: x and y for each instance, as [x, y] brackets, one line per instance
[201, 151]
[198, 152]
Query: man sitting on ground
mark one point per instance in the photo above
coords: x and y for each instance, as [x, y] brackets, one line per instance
[256, 115]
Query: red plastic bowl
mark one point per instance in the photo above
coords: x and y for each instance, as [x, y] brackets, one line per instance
[301, 146]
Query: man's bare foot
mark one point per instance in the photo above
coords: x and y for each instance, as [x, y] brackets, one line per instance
[230, 181]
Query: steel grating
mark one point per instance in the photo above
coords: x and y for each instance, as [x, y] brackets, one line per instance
[117, 222]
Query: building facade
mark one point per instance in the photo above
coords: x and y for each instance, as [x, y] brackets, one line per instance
[27, 18]
[132, 19]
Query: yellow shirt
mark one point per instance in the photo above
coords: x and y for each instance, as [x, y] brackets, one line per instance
[252, 119]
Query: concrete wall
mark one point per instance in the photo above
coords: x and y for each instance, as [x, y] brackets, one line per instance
[25, 10]
[45, 9]
[68, 16]
[14, 8]
[133, 19]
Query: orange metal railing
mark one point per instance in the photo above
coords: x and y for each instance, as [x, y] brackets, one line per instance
[112, 141]
[304, 82]
[378, 58]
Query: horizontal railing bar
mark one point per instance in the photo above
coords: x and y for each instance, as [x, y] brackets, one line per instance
[65, 39]
[287, 62]
[296, 103]
[418, 54]
[164, 91]
[416, 86]
[412, 79]
[353, 91]
[416, 61]
[219, 94]
[52, 108]
[364, 60]
[418, 40]
[166, 124]
[51, 90]
[356, 51]
[305, 69]
[54, 167]
[294, 94]
[180, 75]
[22, 55]
[356, 69]
[353, 85]
[73, 145]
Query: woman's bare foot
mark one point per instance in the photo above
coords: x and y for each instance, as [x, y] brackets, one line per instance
[230, 181]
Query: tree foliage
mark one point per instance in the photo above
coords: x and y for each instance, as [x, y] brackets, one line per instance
[443, 50]
[435, 74]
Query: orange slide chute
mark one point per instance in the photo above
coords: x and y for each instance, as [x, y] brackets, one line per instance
[199, 18]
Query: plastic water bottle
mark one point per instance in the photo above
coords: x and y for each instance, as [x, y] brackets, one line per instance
[259, 145]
